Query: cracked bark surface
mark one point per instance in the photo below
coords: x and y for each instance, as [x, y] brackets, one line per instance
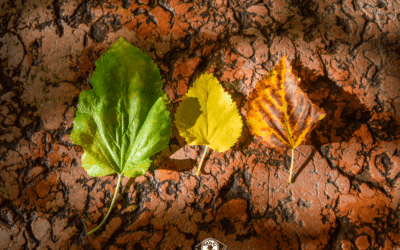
[346, 189]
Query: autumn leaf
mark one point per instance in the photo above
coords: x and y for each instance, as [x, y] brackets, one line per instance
[280, 112]
[208, 116]
[123, 120]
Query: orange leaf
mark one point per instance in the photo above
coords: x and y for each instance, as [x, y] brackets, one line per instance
[278, 110]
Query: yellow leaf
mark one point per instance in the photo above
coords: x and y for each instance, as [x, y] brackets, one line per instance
[208, 116]
[279, 112]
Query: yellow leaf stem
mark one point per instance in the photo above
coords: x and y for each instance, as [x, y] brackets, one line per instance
[201, 162]
[291, 168]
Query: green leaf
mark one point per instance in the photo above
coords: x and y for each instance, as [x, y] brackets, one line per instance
[123, 120]
[208, 116]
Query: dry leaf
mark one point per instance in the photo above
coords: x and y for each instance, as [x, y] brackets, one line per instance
[279, 111]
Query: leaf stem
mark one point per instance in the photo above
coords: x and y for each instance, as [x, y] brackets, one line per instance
[291, 168]
[109, 210]
[201, 162]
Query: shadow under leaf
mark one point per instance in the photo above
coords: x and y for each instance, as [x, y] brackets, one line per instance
[190, 112]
